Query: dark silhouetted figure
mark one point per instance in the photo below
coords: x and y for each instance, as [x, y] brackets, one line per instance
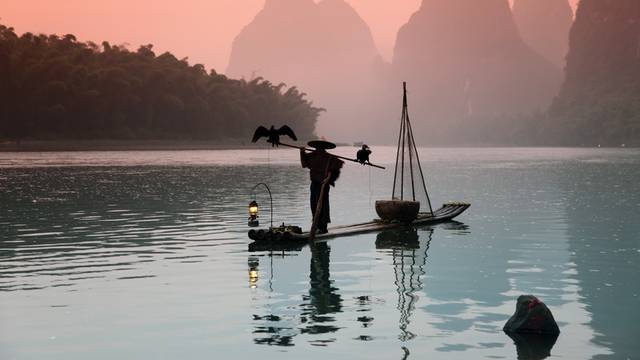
[324, 168]
[363, 155]
[273, 134]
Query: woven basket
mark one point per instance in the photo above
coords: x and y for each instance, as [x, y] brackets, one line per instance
[398, 210]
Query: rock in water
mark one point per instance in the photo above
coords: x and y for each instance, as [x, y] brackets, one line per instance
[532, 317]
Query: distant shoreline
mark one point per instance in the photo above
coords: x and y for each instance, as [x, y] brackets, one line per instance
[123, 145]
[186, 145]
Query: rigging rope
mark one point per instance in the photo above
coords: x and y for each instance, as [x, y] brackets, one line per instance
[406, 138]
[370, 189]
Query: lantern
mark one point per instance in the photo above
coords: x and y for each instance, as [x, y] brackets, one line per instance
[253, 206]
[253, 214]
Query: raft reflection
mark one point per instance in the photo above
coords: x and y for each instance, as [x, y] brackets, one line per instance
[315, 317]
[409, 259]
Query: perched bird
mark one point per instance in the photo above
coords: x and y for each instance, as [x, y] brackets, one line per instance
[363, 155]
[273, 134]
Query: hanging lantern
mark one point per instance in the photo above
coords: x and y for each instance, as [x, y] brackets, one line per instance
[253, 214]
[253, 206]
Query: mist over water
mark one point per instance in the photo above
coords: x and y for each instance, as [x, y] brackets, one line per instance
[466, 63]
[480, 73]
[221, 20]
[145, 255]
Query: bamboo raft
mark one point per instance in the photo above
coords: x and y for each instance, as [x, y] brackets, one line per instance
[289, 236]
[395, 213]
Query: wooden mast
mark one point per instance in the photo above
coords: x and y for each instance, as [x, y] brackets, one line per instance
[407, 143]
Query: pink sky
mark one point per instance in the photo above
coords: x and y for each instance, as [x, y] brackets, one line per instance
[200, 29]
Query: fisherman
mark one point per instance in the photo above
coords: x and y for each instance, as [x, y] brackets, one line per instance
[324, 168]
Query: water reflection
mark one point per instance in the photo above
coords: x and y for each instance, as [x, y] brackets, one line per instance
[601, 201]
[270, 329]
[315, 315]
[323, 299]
[409, 259]
[59, 226]
[82, 248]
[532, 346]
[456, 227]
[254, 274]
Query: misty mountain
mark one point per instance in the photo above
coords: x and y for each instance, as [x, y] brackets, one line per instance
[467, 66]
[598, 102]
[324, 48]
[544, 25]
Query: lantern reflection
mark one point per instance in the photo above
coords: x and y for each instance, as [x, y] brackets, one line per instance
[253, 272]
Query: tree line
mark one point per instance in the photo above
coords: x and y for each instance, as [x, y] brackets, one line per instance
[56, 87]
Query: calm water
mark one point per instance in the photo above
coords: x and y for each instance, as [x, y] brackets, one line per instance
[144, 255]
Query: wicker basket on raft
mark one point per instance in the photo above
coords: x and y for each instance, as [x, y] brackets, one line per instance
[398, 209]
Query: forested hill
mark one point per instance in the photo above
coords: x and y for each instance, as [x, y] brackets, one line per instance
[55, 88]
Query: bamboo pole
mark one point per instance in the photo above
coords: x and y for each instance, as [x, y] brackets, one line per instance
[395, 171]
[318, 212]
[338, 156]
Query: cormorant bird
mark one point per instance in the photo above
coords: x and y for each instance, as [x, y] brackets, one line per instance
[273, 134]
[363, 155]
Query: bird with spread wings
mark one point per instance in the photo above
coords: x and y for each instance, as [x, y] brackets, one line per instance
[273, 134]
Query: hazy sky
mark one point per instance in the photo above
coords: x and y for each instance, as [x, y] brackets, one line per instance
[200, 29]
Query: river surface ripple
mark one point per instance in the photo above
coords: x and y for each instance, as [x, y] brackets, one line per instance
[145, 255]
